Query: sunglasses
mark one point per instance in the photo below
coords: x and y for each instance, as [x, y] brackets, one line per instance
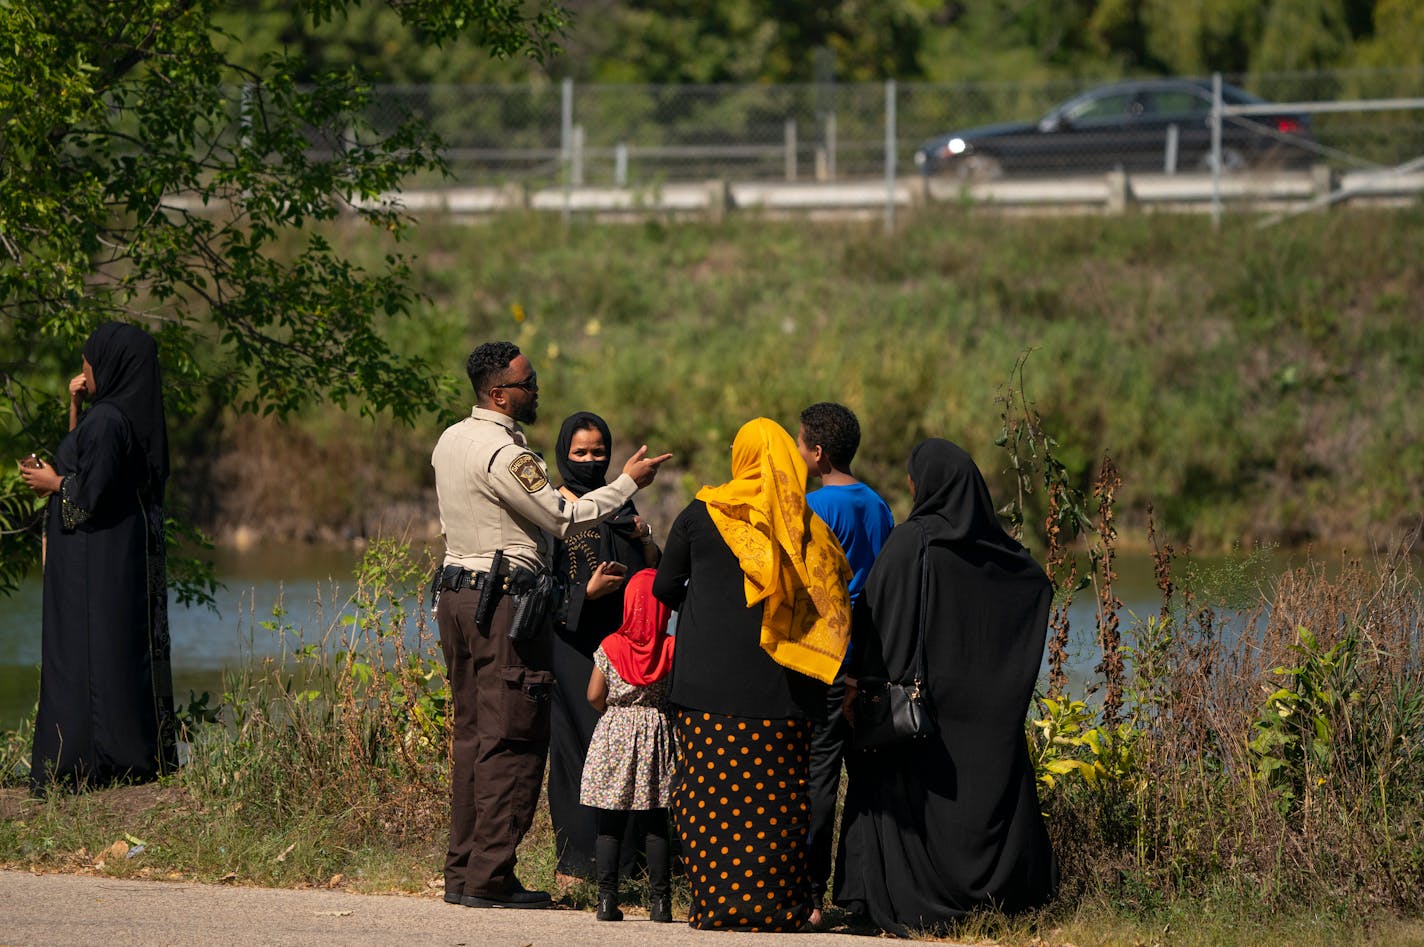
[530, 384]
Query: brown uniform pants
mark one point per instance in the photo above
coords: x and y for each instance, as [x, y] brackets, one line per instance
[502, 692]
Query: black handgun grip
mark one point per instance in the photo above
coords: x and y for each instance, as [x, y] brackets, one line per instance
[522, 625]
[484, 608]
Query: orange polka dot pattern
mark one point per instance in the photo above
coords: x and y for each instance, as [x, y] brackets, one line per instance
[743, 815]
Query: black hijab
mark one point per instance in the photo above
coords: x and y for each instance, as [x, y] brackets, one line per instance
[582, 476]
[126, 376]
[952, 502]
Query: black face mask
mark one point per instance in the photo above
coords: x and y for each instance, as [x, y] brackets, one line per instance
[584, 475]
[581, 476]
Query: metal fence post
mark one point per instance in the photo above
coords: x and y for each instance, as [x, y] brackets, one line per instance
[566, 142]
[577, 160]
[1216, 149]
[620, 164]
[791, 149]
[890, 156]
[1169, 162]
[831, 146]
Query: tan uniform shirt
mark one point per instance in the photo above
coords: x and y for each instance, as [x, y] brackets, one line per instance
[496, 494]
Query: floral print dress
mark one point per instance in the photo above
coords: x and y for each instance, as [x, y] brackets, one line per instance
[631, 761]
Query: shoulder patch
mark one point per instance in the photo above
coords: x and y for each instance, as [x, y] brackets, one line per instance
[529, 472]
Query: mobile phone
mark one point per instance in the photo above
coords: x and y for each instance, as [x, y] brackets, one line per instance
[32, 462]
[615, 568]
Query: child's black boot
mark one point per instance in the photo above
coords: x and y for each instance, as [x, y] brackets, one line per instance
[606, 858]
[608, 909]
[659, 878]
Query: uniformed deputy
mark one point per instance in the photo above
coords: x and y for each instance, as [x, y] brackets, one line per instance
[495, 496]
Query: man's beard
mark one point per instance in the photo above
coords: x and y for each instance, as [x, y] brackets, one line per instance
[527, 414]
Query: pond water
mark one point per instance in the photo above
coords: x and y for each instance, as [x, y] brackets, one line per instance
[314, 585]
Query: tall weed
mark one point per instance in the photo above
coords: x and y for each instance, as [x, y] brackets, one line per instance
[350, 730]
[1246, 731]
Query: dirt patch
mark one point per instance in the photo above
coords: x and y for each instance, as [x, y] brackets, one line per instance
[14, 803]
[124, 802]
[129, 802]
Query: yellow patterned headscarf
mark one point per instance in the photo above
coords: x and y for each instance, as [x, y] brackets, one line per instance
[791, 559]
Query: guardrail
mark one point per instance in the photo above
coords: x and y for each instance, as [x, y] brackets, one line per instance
[1115, 192]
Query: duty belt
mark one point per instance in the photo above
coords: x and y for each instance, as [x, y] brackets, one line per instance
[454, 578]
[535, 594]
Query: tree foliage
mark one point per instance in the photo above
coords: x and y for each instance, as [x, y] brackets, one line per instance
[156, 171]
[655, 41]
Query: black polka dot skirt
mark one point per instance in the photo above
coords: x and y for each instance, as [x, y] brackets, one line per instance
[743, 815]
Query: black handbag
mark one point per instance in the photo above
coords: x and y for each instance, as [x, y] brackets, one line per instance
[890, 713]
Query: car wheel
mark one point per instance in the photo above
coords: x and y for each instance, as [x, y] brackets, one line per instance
[1231, 160]
[978, 168]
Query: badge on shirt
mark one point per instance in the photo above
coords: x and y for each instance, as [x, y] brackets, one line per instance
[528, 471]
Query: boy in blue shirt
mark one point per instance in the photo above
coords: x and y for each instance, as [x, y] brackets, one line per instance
[827, 440]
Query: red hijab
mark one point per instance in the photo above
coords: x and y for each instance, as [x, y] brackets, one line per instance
[641, 649]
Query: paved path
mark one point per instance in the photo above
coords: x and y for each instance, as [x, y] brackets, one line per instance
[84, 909]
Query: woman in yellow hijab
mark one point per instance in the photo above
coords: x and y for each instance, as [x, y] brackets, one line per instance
[760, 585]
[792, 562]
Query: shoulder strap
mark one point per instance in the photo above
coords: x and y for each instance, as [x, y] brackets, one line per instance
[919, 669]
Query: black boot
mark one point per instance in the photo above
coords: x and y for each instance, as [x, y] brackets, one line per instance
[605, 852]
[659, 872]
[608, 907]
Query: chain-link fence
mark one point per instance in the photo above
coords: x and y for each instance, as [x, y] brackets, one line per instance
[644, 135]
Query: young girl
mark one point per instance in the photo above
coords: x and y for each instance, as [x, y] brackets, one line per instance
[628, 772]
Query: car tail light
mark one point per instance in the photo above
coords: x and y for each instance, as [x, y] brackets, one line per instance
[1289, 126]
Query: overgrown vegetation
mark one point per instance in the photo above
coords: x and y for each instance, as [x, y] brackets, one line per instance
[1254, 386]
[309, 763]
[1264, 757]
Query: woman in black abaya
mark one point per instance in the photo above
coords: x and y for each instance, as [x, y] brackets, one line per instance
[593, 609]
[106, 690]
[936, 829]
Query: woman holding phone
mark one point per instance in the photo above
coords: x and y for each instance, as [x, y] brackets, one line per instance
[106, 689]
[594, 564]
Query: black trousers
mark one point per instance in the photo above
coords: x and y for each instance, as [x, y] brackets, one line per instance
[830, 742]
[502, 691]
[653, 827]
[572, 728]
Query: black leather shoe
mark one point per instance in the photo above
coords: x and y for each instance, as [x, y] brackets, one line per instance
[660, 909]
[453, 897]
[608, 908]
[514, 899]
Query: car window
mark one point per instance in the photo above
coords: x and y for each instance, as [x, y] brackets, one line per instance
[1117, 105]
[1180, 101]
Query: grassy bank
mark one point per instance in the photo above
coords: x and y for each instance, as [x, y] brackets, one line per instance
[1253, 385]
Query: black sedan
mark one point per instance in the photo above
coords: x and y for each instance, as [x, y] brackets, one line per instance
[1128, 126]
